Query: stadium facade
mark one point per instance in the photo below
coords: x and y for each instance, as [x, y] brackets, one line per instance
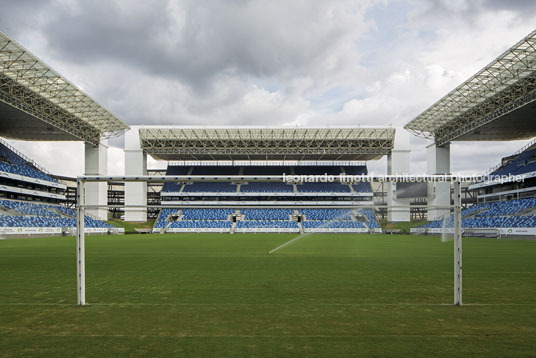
[36, 103]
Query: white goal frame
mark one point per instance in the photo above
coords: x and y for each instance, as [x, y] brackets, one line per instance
[81, 208]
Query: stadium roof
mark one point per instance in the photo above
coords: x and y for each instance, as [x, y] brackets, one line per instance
[194, 143]
[497, 103]
[36, 103]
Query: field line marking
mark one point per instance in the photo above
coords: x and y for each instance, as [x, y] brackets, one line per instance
[261, 304]
[454, 335]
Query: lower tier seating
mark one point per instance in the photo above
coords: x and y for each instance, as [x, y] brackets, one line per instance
[266, 214]
[263, 218]
[200, 224]
[27, 214]
[500, 214]
[326, 214]
[267, 224]
[333, 224]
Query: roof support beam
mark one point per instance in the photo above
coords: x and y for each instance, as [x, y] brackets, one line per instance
[506, 84]
[31, 86]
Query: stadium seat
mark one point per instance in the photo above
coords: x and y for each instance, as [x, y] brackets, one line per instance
[200, 187]
[362, 187]
[273, 187]
[334, 187]
[266, 214]
[280, 224]
[266, 218]
[523, 162]
[500, 214]
[27, 214]
[10, 162]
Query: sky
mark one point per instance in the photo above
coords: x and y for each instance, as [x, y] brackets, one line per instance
[292, 63]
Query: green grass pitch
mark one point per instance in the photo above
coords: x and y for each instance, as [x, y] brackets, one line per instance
[222, 295]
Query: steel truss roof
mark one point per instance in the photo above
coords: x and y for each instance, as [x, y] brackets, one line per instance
[506, 84]
[31, 86]
[267, 143]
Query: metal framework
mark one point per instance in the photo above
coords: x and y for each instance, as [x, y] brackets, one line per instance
[82, 206]
[31, 86]
[506, 84]
[190, 143]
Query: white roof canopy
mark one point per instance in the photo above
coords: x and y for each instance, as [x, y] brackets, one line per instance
[36, 103]
[194, 143]
[494, 104]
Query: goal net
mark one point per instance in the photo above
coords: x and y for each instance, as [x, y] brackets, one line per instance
[305, 209]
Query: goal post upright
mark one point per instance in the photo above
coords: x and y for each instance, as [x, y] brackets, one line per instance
[457, 242]
[80, 244]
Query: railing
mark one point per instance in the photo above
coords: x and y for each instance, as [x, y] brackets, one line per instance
[24, 157]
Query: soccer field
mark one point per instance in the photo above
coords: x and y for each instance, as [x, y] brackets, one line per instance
[223, 295]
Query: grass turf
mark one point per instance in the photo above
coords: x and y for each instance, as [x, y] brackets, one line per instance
[222, 295]
[130, 227]
[404, 226]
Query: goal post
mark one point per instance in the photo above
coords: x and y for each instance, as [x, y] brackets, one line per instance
[80, 243]
[82, 206]
[457, 242]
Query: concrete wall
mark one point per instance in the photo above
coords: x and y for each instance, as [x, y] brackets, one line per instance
[438, 159]
[96, 163]
[135, 164]
[398, 163]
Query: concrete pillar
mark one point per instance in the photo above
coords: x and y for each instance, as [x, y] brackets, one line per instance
[398, 163]
[135, 164]
[438, 193]
[96, 163]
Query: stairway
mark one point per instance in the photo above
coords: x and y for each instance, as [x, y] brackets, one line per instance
[233, 227]
[300, 227]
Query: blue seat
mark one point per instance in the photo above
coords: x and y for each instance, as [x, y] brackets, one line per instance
[500, 214]
[10, 162]
[334, 187]
[362, 187]
[206, 214]
[43, 215]
[327, 214]
[198, 187]
[271, 224]
[272, 187]
[266, 214]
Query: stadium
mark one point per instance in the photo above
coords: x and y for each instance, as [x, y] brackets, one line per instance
[177, 263]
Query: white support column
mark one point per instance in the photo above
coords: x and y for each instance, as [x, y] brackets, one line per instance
[135, 164]
[398, 163]
[96, 163]
[438, 193]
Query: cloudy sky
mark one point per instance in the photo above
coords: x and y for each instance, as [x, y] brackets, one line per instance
[287, 62]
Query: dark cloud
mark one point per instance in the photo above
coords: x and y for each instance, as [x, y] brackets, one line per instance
[16, 16]
[195, 41]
